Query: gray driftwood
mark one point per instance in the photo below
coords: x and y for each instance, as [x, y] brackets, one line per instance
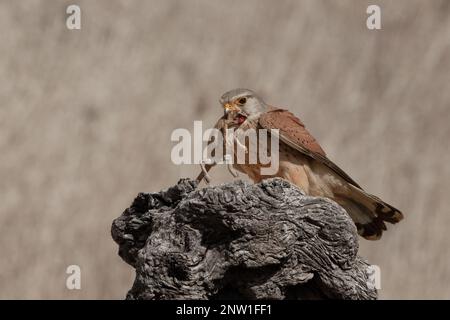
[240, 241]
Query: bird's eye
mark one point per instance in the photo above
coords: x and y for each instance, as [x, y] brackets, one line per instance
[242, 101]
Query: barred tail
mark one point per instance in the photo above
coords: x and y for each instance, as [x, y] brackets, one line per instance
[369, 212]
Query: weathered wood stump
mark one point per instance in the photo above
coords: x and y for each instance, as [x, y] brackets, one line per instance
[240, 241]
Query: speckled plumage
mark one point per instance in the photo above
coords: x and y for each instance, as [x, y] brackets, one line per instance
[303, 162]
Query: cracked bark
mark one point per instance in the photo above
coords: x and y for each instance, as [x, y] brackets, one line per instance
[240, 241]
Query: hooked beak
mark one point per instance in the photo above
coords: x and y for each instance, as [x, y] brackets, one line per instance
[236, 113]
[228, 107]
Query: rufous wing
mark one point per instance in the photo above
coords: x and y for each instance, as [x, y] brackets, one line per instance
[367, 211]
[293, 133]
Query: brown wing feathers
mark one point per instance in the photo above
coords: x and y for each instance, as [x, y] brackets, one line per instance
[293, 129]
[296, 136]
[359, 204]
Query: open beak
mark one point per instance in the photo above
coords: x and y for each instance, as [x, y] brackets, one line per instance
[233, 111]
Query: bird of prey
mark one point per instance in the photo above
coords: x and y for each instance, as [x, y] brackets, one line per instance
[303, 162]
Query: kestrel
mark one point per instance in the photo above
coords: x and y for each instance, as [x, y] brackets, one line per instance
[303, 162]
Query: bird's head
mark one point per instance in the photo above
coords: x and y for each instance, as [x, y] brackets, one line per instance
[242, 104]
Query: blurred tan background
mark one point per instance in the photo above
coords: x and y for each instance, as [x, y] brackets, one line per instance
[86, 118]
